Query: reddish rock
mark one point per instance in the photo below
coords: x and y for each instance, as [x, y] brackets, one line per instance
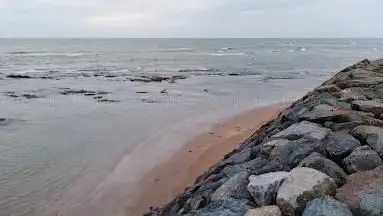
[358, 184]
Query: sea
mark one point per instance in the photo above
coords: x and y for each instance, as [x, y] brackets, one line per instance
[82, 120]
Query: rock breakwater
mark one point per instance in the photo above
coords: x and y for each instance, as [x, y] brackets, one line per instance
[321, 156]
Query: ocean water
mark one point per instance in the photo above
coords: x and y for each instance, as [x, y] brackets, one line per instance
[79, 132]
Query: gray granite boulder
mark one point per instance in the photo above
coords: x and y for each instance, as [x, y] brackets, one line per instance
[371, 204]
[351, 94]
[361, 159]
[326, 206]
[324, 112]
[322, 164]
[235, 187]
[294, 152]
[270, 145]
[240, 157]
[373, 106]
[263, 188]
[371, 135]
[340, 144]
[253, 165]
[303, 129]
[304, 185]
[226, 207]
[265, 211]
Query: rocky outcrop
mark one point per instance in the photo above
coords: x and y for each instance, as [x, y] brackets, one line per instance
[330, 138]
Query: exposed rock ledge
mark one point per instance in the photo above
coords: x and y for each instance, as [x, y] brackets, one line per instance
[321, 156]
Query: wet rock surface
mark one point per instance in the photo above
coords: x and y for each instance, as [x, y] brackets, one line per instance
[330, 138]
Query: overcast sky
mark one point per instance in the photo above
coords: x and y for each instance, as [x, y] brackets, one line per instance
[191, 18]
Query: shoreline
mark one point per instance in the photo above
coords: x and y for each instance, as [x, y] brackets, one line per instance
[170, 178]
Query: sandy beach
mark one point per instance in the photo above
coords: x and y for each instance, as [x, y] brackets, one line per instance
[169, 179]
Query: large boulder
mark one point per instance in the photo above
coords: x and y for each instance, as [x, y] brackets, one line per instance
[361, 159]
[355, 192]
[371, 204]
[324, 112]
[265, 211]
[263, 188]
[303, 129]
[235, 187]
[371, 135]
[322, 164]
[340, 144]
[292, 153]
[304, 185]
[351, 94]
[326, 206]
[373, 106]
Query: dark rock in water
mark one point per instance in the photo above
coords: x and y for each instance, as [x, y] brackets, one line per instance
[108, 101]
[373, 136]
[156, 78]
[234, 74]
[69, 91]
[30, 96]
[326, 206]
[355, 192]
[164, 91]
[304, 185]
[294, 152]
[340, 144]
[371, 204]
[318, 162]
[23, 95]
[361, 159]
[97, 97]
[19, 76]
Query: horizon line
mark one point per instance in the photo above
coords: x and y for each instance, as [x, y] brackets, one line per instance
[191, 37]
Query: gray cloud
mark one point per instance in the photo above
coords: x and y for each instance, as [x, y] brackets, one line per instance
[190, 18]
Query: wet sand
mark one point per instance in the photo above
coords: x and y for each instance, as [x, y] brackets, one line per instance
[169, 179]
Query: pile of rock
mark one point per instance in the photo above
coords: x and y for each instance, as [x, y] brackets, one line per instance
[321, 156]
